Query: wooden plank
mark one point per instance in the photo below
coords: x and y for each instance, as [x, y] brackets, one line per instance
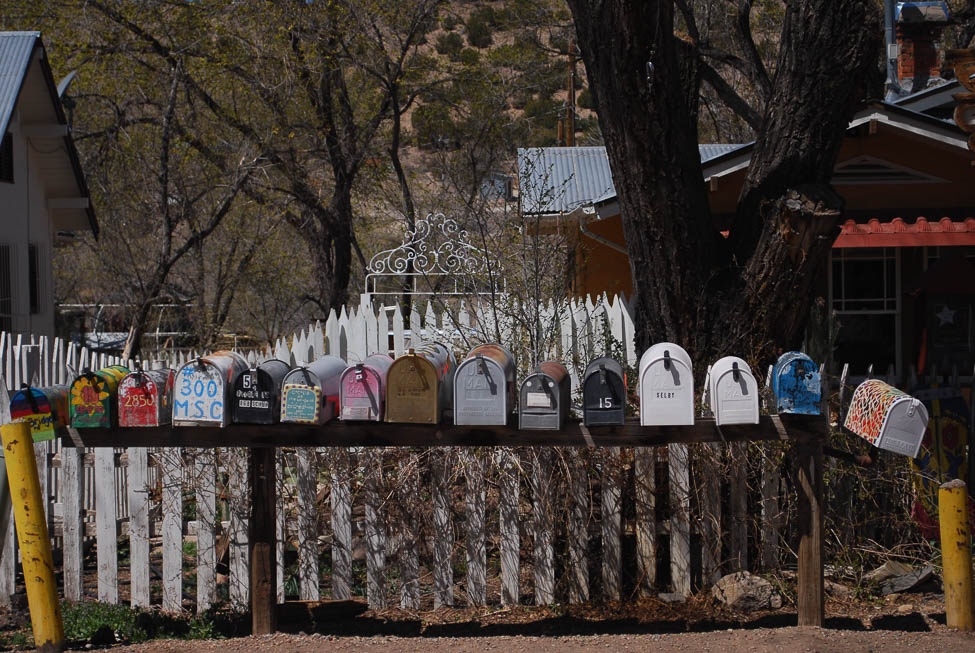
[810, 599]
[8, 559]
[408, 491]
[239, 505]
[738, 482]
[307, 487]
[105, 516]
[171, 462]
[443, 531]
[375, 530]
[770, 513]
[578, 527]
[611, 521]
[206, 519]
[542, 509]
[72, 523]
[475, 498]
[263, 576]
[508, 527]
[138, 491]
[645, 484]
[680, 519]
[279, 522]
[341, 525]
[710, 478]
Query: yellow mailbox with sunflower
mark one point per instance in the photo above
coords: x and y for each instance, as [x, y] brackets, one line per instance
[93, 402]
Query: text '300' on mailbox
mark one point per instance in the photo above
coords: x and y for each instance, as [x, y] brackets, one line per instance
[202, 389]
[145, 398]
[44, 409]
[363, 390]
[545, 398]
[93, 402]
[419, 385]
[733, 392]
[257, 393]
[603, 393]
[484, 387]
[666, 386]
[310, 394]
[796, 385]
[887, 418]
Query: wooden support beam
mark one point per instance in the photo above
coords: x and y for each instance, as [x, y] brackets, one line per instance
[809, 465]
[264, 602]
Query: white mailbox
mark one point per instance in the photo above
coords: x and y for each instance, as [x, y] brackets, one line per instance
[202, 389]
[666, 386]
[733, 392]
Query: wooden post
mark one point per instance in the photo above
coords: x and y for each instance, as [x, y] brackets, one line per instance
[644, 482]
[307, 481]
[443, 532]
[372, 464]
[578, 527]
[709, 476]
[341, 526]
[680, 519]
[739, 507]
[475, 498]
[206, 515]
[809, 463]
[261, 538]
[171, 461]
[542, 526]
[508, 525]
[105, 524]
[611, 519]
[73, 524]
[409, 557]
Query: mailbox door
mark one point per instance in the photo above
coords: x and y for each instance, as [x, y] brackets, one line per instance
[362, 394]
[797, 386]
[541, 405]
[93, 400]
[200, 395]
[603, 395]
[735, 402]
[301, 403]
[413, 391]
[138, 401]
[480, 393]
[878, 408]
[666, 393]
[31, 405]
[904, 427]
[256, 398]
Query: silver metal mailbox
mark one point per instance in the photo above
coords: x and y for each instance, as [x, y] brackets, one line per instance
[603, 393]
[257, 393]
[545, 398]
[363, 389]
[310, 394]
[733, 392]
[484, 387]
[202, 390]
[666, 386]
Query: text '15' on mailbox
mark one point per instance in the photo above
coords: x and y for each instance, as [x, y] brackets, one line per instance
[44, 409]
[666, 386]
[733, 392]
[796, 385]
[145, 398]
[310, 394]
[603, 393]
[887, 418]
[545, 398]
[419, 385]
[484, 387]
[202, 390]
[93, 402]
[363, 391]
[257, 393]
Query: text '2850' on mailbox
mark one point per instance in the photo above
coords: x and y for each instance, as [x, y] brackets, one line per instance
[733, 392]
[545, 398]
[201, 393]
[363, 393]
[310, 394]
[603, 393]
[887, 418]
[145, 398]
[796, 385]
[666, 386]
[257, 393]
[484, 387]
[93, 402]
[43, 409]
[419, 385]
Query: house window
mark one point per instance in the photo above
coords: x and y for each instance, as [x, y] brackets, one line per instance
[7, 158]
[35, 282]
[6, 286]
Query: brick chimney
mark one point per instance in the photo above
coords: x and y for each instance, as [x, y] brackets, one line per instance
[920, 26]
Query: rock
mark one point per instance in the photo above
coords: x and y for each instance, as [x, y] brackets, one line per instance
[745, 592]
[905, 609]
[836, 589]
[889, 569]
[916, 581]
[672, 597]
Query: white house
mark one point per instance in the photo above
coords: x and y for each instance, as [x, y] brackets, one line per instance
[43, 194]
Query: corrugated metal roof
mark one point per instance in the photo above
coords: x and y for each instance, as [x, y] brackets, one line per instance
[556, 179]
[15, 53]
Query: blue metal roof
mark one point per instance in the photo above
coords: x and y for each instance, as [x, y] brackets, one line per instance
[16, 49]
[557, 179]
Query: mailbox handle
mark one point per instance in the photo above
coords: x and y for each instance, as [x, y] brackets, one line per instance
[358, 371]
[30, 397]
[667, 359]
[487, 374]
[735, 372]
[602, 374]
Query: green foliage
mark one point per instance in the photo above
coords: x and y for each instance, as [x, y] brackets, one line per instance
[469, 56]
[584, 99]
[432, 126]
[84, 619]
[479, 31]
[450, 22]
[450, 45]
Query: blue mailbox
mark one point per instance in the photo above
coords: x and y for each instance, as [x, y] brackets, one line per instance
[796, 385]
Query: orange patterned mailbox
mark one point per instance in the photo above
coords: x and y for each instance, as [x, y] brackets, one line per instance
[887, 418]
[92, 403]
[146, 398]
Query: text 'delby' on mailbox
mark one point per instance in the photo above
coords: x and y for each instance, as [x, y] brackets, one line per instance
[887, 418]
[146, 398]
[363, 389]
[484, 387]
[796, 385]
[603, 393]
[419, 385]
[733, 392]
[43, 409]
[257, 393]
[666, 386]
[202, 389]
[93, 402]
[545, 398]
[310, 394]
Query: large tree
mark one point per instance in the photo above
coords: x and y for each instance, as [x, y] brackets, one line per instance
[750, 292]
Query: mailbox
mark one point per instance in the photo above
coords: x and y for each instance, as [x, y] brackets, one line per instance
[146, 398]
[484, 387]
[887, 418]
[666, 386]
[545, 398]
[733, 392]
[796, 385]
[202, 389]
[257, 393]
[419, 385]
[363, 389]
[603, 393]
[93, 399]
[44, 409]
[310, 394]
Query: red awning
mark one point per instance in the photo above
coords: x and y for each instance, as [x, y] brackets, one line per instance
[898, 233]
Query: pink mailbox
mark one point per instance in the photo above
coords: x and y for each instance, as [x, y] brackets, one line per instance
[363, 389]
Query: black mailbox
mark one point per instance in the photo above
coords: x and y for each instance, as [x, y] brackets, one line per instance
[257, 393]
[545, 398]
[603, 393]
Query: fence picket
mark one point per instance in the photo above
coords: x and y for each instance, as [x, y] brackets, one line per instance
[508, 525]
[375, 530]
[578, 527]
[105, 525]
[644, 480]
[239, 500]
[611, 518]
[542, 526]
[206, 518]
[443, 533]
[138, 496]
[409, 559]
[171, 461]
[710, 477]
[738, 483]
[680, 519]
[307, 489]
[476, 495]
[341, 525]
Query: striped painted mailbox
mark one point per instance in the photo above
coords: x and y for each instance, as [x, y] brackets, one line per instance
[666, 386]
[796, 385]
[44, 409]
[733, 392]
[257, 393]
[419, 385]
[93, 402]
[484, 387]
[887, 418]
[146, 398]
[545, 398]
[202, 390]
[363, 389]
[310, 394]
[603, 393]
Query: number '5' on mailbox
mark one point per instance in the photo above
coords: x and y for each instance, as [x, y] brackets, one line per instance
[43, 409]
[603, 393]
[484, 387]
[310, 395]
[796, 385]
[887, 418]
[93, 400]
[257, 393]
[733, 392]
[666, 386]
[201, 393]
[146, 398]
[363, 395]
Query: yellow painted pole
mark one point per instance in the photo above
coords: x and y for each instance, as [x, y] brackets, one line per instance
[956, 554]
[35, 545]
